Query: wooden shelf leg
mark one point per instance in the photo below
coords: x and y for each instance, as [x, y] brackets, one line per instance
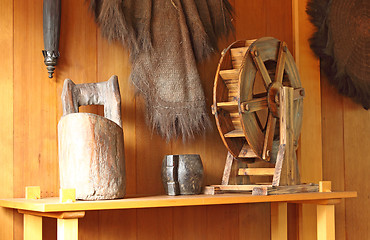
[325, 222]
[279, 221]
[32, 228]
[68, 229]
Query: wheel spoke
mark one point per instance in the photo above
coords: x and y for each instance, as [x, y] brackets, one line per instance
[279, 73]
[255, 104]
[269, 136]
[261, 67]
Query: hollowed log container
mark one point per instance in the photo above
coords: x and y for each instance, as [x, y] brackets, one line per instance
[91, 147]
[182, 174]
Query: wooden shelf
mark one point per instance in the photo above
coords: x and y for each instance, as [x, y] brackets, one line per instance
[67, 214]
[53, 204]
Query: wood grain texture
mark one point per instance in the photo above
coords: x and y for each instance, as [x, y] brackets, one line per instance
[113, 225]
[357, 163]
[155, 223]
[6, 116]
[34, 106]
[254, 221]
[222, 222]
[86, 57]
[113, 59]
[189, 223]
[310, 151]
[78, 48]
[279, 221]
[35, 148]
[333, 148]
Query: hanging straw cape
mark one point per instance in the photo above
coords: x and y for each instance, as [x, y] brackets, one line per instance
[342, 41]
[166, 39]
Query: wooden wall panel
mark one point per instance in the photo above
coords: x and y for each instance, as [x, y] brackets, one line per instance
[6, 116]
[35, 148]
[356, 123]
[254, 221]
[279, 21]
[78, 48]
[86, 57]
[310, 150]
[113, 59]
[117, 224]
[189, 223]
[155, 223]
[222, 222]
[78, 61]
[333, 147]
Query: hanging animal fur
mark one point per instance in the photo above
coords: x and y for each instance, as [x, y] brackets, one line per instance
[166, 39]
[342, 42]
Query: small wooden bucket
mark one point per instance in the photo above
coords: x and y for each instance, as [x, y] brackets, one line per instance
[91, 150]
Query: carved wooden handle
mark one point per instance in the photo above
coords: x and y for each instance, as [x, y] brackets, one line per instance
[103, 93]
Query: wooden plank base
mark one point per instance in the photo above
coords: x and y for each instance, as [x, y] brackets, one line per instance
[275, 190]
[218, 189]
[261, 190]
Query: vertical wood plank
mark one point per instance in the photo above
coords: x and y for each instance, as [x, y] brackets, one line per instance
[113, 59]
[250, 19]
[32, 227]
[6, 116]
[78, 50]
[117, 224]
[293, 225]
[279, 221]
[357, 164]
[155, 223]
[78, 61]
[325, 222]
[279, 21]
[150, 150]
[254, 221]
[35, 146]
[333, 148]
[222, 222]
[309, 69]
[189, 223]
[49, 230]
[88, 226]
[67, 229]
[310, 151]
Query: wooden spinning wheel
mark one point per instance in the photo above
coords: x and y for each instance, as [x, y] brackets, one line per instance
[257, 103]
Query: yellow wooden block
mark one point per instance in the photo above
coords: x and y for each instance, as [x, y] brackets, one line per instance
[67, 195]
[33, 192]
[325, 186]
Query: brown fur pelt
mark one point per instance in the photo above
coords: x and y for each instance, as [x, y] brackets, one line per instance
[166, 39]
[342, 42]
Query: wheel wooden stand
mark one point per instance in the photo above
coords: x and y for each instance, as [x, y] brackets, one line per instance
[257, 103]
